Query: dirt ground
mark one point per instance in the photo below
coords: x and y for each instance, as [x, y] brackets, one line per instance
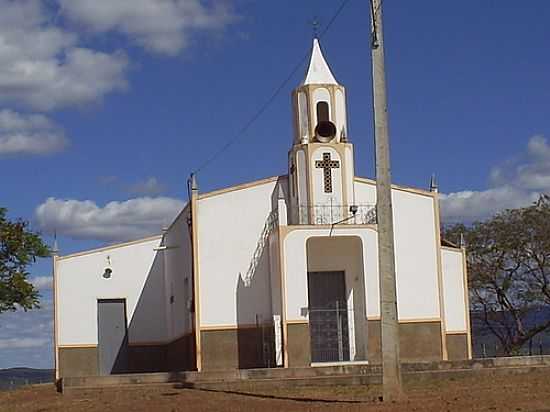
[526, 392]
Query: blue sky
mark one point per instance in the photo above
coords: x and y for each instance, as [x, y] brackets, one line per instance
[106, 107]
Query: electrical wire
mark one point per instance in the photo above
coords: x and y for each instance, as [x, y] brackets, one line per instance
[272, 97]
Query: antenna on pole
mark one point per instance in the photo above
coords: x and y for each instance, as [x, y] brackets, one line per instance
[391, 370]
[433, 184]
[55, 247]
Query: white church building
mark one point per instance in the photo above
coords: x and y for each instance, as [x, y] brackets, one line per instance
[290, 279]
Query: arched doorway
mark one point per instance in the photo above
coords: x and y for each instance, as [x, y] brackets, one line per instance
[336, 299]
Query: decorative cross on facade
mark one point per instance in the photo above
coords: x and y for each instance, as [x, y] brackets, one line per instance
[327, 165]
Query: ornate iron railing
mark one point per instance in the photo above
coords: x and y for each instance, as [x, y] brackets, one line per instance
[364, 214]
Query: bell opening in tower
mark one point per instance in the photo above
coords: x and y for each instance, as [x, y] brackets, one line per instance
[325, 130]
[322, 112]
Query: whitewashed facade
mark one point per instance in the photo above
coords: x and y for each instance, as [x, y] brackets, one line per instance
[280, 272]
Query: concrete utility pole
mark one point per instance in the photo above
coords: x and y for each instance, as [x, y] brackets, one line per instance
[391, 371]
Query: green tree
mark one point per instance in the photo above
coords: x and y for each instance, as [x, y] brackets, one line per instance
[508, 259]
[19, 248]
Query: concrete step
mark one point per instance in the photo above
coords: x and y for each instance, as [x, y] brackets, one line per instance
[284, 383]
[343, 374]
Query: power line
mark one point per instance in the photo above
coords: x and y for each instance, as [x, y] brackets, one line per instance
[272, 97]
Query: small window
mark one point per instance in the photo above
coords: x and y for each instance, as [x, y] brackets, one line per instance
[322, 112]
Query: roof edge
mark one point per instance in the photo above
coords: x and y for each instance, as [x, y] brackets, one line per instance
[109, 247]
[409, 189]
[241, 186]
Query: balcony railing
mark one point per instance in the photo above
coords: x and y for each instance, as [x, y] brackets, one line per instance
[364, 214]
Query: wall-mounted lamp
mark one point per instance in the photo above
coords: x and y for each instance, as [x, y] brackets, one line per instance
[107, 274]
[353, 210]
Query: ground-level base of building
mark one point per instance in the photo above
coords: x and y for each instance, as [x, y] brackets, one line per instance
[253, 347]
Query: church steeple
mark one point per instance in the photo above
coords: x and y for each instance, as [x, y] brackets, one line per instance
[319, 103]
[318, 71]
[321, 169]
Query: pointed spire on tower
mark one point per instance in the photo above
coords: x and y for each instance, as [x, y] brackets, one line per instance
[318, 71]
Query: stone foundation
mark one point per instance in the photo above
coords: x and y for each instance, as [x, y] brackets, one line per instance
[180, 354]
[299, 345]
[75, 361]
[146, 358]
[243, 348]
[175, 356]
[457, 346]
[252, 347]
[418, 341]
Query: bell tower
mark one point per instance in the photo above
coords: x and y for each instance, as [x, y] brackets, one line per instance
[321, 168]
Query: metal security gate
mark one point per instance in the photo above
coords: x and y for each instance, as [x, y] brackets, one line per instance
[112, 336]
[328, 317]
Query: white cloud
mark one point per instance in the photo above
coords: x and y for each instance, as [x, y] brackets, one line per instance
[22, 134]
[116, 221]
[26, 334]
[515, 183]
[162, 26]
[11, 121]
[18, 343]
[42, 282]
[150, 186]
[44, 67]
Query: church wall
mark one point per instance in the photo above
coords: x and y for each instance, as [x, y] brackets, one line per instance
[237, 251]
[275, 271]
[137, 276]
[234, 256]
[453, 286]
[420, 338]
[349, 172]
[179, 260]
[341, 122]
[457, 315]
[416, 251]
[179, 291]
[296, 267]
[416, 256]
[300, 175]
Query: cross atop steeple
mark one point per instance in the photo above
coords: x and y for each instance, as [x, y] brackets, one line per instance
[315, 25]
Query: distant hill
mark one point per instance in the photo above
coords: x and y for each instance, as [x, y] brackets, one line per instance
[14, 377]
